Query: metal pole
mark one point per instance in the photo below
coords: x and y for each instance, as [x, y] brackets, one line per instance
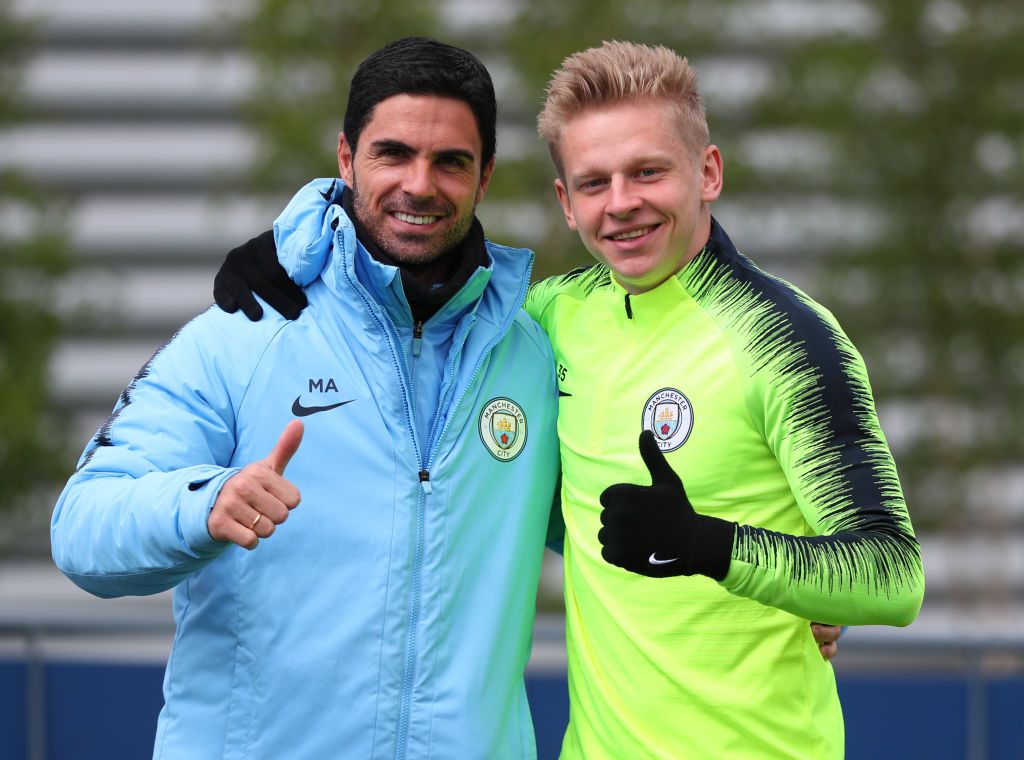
[35, 696]
[977, 704]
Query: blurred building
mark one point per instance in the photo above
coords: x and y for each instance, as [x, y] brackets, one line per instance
[136, 119]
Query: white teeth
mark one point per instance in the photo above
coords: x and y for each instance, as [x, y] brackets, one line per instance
[416, 219]
[632, 234]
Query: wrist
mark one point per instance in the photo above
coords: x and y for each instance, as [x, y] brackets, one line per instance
[711, 542]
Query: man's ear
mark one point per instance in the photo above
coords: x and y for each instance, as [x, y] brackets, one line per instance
[563, 198]
[485, 179]
[711, 174]
[345, 159]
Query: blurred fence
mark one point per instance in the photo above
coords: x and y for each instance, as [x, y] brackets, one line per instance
[90, 688]
[136, 114]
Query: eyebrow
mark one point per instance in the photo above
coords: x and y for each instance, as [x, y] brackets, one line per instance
[403, 147]
[392, 145]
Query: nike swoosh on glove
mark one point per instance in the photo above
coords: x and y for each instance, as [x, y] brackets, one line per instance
[253, 268]
[653, 530]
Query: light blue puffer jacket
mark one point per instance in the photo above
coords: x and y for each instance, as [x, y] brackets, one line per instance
[391, 615]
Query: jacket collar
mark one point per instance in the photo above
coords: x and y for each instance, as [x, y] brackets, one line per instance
[316, 238]
[460, 263]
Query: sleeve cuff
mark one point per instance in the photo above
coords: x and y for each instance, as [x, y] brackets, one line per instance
[200, 492]
[713, 540]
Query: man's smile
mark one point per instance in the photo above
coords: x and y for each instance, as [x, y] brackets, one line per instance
[418, 219]
[632, 234]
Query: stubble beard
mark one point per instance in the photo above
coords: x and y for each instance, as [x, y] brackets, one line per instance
[409, 249]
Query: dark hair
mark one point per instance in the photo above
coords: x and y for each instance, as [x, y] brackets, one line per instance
[422, 66]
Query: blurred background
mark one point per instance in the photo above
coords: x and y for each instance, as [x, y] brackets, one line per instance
[874, 156]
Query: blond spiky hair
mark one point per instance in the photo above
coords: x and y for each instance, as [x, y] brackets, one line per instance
[622, 72]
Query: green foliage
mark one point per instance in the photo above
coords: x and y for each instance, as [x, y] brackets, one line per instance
[13, 48]
[533, 44]
[908, 117]
[925, 120]
[32, 263]
[306, 52]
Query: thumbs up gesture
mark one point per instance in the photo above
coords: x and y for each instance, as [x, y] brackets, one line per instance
[654, 531]
[255, 501]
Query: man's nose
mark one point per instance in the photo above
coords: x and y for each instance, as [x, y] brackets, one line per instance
[622, 200]
[419, 179]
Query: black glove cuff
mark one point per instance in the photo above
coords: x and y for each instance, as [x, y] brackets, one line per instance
[711, 543]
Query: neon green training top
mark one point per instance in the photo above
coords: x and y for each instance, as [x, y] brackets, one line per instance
[762, 405]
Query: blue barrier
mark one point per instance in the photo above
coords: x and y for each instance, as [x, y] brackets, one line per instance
[549, 704]
[101, 711]
[13, 710]
[906, 717]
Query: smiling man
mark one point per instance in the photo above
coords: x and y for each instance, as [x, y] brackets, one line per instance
[389, 614]
[635, 191]
[419, 210]
[685, 607]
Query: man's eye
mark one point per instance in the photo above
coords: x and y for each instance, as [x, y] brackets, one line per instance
[649, 172]
[592, 184]
[393, 151]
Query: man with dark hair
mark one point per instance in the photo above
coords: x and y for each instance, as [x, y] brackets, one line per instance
[420, 66]
[380, 618]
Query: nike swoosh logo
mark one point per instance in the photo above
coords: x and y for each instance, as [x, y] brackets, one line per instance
[304, 411]
[655, 561]
[329, 196]
[563, 393]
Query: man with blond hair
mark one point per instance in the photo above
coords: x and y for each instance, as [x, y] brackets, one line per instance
[685, 622]
[686, 609]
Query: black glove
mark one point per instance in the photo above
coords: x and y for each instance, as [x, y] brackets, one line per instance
[653, 530]
[254, 268]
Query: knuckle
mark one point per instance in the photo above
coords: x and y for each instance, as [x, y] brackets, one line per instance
[246, 489]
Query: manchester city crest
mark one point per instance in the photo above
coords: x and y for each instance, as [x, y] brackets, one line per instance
[669, 416]
[503, 428]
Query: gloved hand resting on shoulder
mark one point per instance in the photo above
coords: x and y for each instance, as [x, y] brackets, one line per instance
[253, 268]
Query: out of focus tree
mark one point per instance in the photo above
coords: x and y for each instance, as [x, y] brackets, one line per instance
[922, 119]
[880, 142]
[306, 52]
[32, 263]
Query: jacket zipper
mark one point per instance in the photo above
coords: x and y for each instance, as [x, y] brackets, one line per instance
[402, 739]
[425, 490]
[417, 338]
[389, 330]
[501, 333]
[409, 667]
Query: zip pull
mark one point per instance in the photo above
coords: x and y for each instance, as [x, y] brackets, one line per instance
[425, 482]
[629, 309]
[417, 338]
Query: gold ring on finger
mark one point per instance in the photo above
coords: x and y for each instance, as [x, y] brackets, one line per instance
[259, 516]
